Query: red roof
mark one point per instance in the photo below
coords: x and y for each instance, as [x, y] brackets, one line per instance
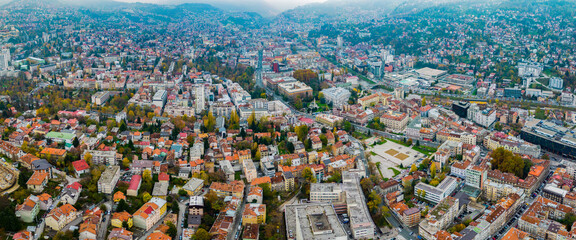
[80, 165]
[306, 120]
[163, 177]
[75, 185]
[149, 210]
[135, 182]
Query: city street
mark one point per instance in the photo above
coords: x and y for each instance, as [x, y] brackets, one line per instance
[181, 216]
[238, 219]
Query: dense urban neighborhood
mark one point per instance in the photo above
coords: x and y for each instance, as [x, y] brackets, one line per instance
[336, 120]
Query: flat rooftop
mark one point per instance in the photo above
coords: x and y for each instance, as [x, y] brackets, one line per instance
[313, 221]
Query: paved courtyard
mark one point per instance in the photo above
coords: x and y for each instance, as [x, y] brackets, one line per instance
[391, 154]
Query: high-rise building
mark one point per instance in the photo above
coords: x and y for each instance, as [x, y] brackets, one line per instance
[461, 108]
[340, 42]
[476, 176]
[556, 83]
[200, 99]
[4, 59]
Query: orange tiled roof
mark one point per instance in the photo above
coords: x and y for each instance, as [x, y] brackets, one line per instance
[53, 151]
[37, 178]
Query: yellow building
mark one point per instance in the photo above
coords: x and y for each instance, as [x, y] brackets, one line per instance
[150, 213]
[328, 119]
[254, 213]
[118, 218]
[395, 121]
[374, 99]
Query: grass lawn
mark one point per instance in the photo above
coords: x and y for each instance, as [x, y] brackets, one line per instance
[396, 172]
[373, 153]
[380, 171]
[360, 135]
[425, 150]
[399, 142]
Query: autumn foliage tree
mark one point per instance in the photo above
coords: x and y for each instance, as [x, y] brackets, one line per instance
[506, 161]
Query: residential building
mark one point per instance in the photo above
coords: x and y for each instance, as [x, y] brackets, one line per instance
[193, 186]
[251, 232]
[249, 170]
[196, 206]
[476, 176]
[438, 193]
[336, 95]
[134, 185]
[160, 98]
[501, 140]
[516, 234]
[254, 213]
[80, 167]
[374, 99]
[150, 213]
[108, 179]
[411, 217]
[556, 83]
[540, 219]
[439, 218]
[118, 219]
[234, 188]
[71, 193]
[394, 121]
[103, 157]
[313, 221]
[61, 216]
[120, 234]
[28, 210]
[100, 98]
[87, 231]
[4, 59]
[494, 191]
[484, 118]
[37, 181]
[328, 119]
[326, 192]
[295, 89]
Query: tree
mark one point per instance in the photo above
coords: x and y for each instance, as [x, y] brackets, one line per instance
[103, 207]
[302, 132]
[201, 234]
[413, 168]
[146, 197]
[8, 219]
[75, 142]
[182, 192]
[95, 174]
[122, 206]
[172, 231]
[125, 163]
[147, 175]
[252, 119]
[506, 161]
[209, 122]
[336, 177]
[423, 101]
[258, 155]
[175, 207]
[433, 170]
[88, 158]
[568, 220]
[308, 175]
